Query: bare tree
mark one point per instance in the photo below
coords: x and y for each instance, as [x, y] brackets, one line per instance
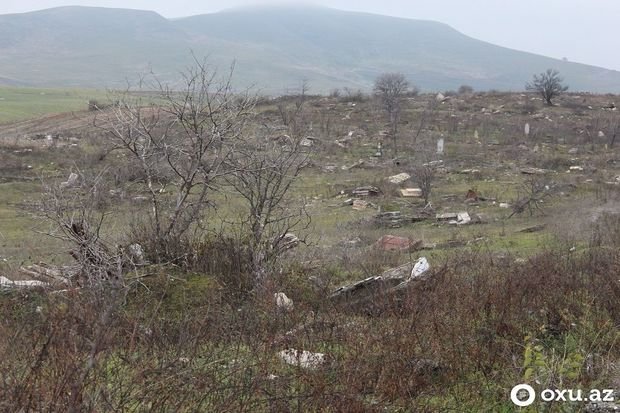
[292, 116]
[531, 196]
[266, 173]
[548, 84]
[423, 176]
[181, 138]
[390, 87]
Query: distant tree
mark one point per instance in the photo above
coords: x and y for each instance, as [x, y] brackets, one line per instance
[390, 87]
[465, 90]
[548, 84]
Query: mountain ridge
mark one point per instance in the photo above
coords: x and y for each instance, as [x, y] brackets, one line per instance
[275, 47]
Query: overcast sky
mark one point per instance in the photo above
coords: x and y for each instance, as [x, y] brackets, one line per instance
[581, 30]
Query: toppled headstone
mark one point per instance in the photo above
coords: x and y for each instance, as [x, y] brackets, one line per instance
[411, 192]
[533, 228]
[360, 204]
[462, 218]
[395, 243]
[469, 171]
[575, 169]
[573, 151]
[391, 219]
[366, 191]
[355, 165]
[399, 178]
[434, 164]
[375, 293]
[420, 267]
[303, 358]
[447, 216]
[307, 142]
[289, 240]
[471, 195]
[50, 274]
[19, 284]
[534, 171]
[283, 302]
[136, 254]
[71, 181]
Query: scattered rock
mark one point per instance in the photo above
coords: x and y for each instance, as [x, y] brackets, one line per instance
[136, 254]
[573, 151]
[283, 302]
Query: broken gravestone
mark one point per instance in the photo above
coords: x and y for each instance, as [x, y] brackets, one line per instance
[10, 284]
[366, 191]
[420, 267]
[302, 358]
[411, 192]
[70, 182]
[395, 243]
[399, 178]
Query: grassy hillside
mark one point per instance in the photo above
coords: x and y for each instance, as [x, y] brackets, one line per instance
[274, 47]
[25, 103]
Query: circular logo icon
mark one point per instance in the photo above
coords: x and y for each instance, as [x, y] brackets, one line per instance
[517, 396]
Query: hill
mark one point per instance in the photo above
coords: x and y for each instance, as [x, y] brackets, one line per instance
[274, 47]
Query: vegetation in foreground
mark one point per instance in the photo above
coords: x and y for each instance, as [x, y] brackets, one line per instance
[198, 329]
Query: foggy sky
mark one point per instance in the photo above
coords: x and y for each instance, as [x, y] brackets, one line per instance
[581, 30]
